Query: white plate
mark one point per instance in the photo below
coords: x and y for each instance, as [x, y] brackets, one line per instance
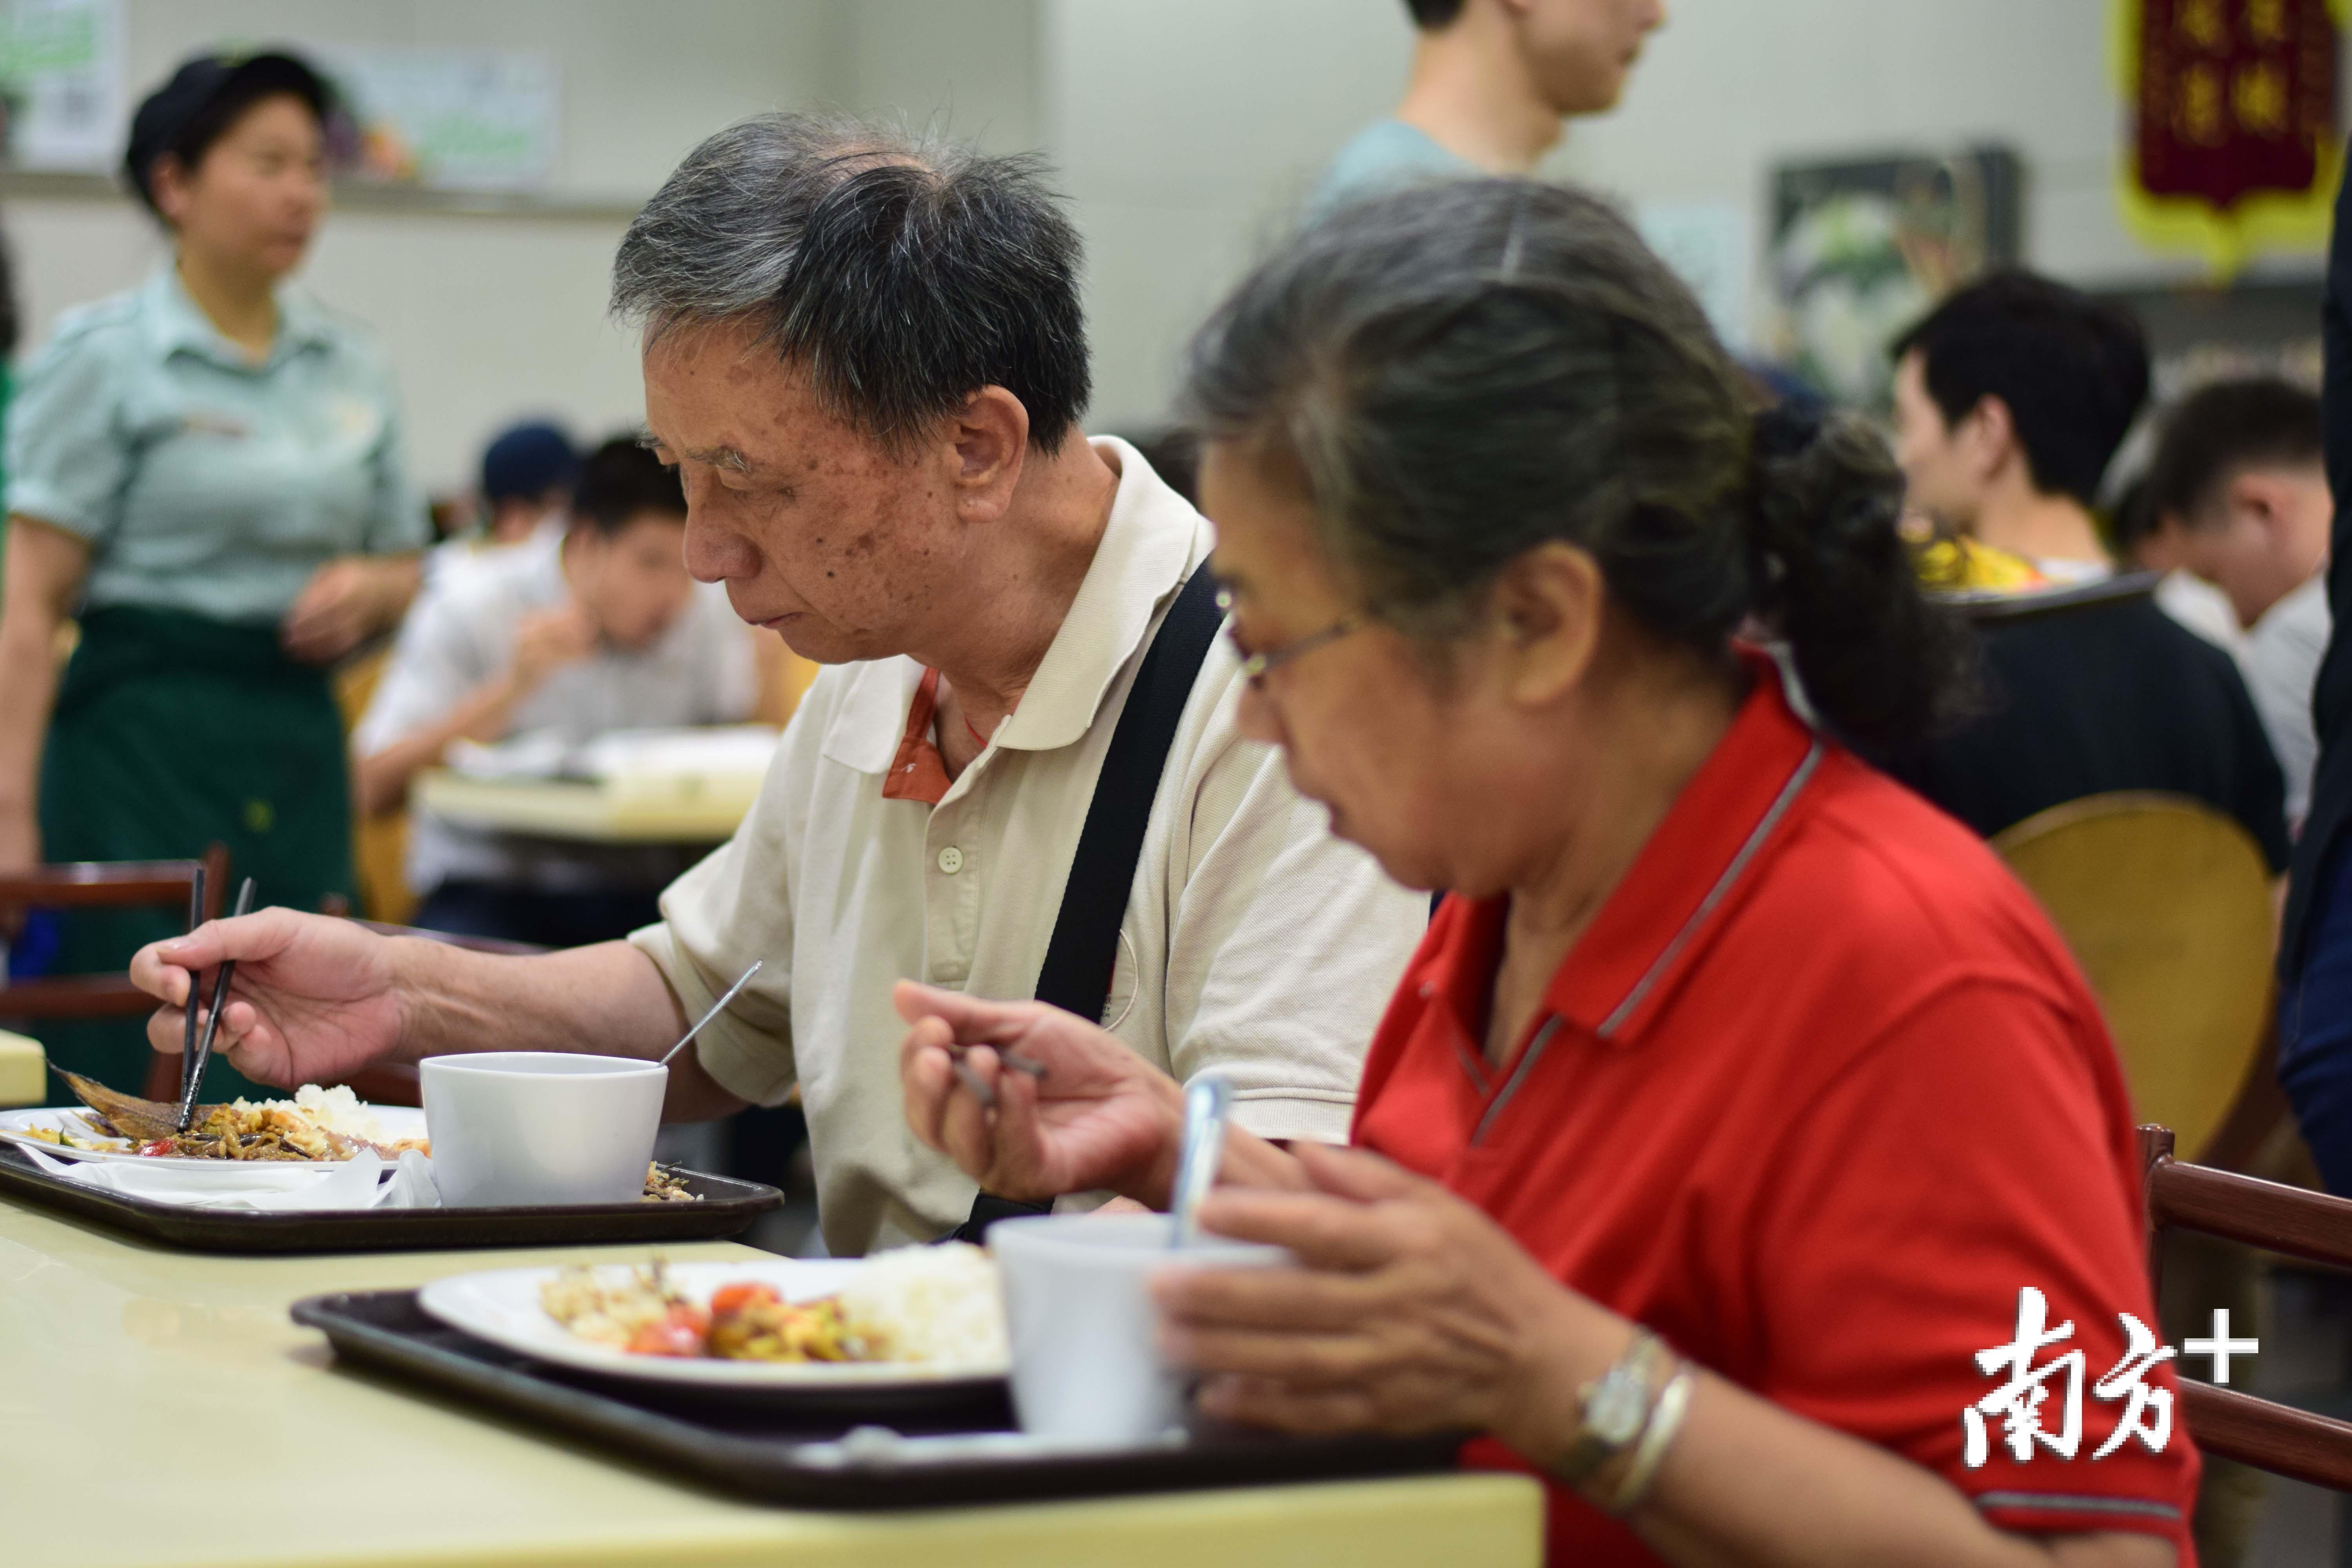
[502, 1307]
[398, 1121]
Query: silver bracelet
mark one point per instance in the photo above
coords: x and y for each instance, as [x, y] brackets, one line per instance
[1665, 1420]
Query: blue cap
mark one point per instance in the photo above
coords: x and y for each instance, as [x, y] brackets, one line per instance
[525, 461]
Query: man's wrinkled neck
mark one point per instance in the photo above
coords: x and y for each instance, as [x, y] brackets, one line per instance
[1023, 572]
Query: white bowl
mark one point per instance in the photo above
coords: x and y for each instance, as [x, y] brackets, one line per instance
[541, 1127]
[1077, 1307]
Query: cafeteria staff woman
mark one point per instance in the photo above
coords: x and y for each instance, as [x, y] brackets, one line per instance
[1739, 1107]
[206, 471]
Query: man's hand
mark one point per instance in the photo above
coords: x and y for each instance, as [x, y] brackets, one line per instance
[314, 999]
[547, 640]
[1099, 1118]
[1414, 1313]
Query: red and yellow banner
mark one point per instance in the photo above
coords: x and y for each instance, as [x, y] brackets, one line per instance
[2233, 143]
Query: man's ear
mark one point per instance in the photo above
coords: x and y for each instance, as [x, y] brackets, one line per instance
[2261, 498]
[990, 437]
[1546, 610]
[1988, 435]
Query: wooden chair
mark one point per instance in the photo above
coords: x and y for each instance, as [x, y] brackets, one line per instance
[2270, 1436]
[2165, 904]
[101, 884]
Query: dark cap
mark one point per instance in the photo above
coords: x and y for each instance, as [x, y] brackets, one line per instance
[525, 461]
[184, 115]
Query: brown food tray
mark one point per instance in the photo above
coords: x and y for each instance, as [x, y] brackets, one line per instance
[727, 1208]
[785, 1447]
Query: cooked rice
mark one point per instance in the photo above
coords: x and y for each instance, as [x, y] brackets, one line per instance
[934, 1304]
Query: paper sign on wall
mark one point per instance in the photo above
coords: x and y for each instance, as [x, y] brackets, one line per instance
[450, 119]
[61, 82]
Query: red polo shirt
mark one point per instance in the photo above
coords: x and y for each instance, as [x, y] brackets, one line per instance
[1818, 1092]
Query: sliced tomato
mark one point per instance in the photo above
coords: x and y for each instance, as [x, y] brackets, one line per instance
[668, 1337]
[729, 1298]
[159, 1147]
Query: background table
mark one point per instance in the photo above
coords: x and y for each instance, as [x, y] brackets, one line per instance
[588, 811]
[158, 1407]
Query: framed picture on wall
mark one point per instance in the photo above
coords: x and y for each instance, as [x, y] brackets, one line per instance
[1862, 247]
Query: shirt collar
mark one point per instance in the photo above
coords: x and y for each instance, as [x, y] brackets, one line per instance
[1730, 817]
[1727, 822]
[1148, 543]
[175, 323]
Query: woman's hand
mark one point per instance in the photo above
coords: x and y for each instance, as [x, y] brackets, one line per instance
[1414, 1313]
[313, 1000]
[1099, 1118]
[346, 602]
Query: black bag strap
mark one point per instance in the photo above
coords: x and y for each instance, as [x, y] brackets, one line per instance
[1083, 954]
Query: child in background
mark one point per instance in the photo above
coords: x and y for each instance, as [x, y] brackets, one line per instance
[596, 629]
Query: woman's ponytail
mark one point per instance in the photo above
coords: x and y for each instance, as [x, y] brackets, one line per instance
[1834, 578]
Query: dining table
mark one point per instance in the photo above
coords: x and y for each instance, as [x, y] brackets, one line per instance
[694, 811]
[160, 1407]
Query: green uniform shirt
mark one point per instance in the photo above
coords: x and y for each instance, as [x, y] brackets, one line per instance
[1384, 157]
[205, 483]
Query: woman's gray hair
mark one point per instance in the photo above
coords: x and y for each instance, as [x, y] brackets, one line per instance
[1465, 371]
[904, 274]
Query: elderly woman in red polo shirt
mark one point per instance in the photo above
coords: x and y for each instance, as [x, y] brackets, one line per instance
[1741, 1138]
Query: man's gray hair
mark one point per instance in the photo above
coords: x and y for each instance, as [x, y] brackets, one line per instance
[902, 275]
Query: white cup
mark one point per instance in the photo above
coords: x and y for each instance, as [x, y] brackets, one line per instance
[1077, 1307]
[541, 1127]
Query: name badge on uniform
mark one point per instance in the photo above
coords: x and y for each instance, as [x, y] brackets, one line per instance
[354, 419]
[203, 424]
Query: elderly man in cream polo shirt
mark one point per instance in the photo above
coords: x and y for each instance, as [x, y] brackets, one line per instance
[867, 360]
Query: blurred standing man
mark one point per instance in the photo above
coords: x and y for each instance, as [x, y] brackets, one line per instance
[1492, 82]
[867, 360]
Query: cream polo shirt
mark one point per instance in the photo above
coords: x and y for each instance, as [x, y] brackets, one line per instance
[1253, 941]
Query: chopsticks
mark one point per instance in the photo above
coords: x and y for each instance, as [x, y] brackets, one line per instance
[194, 1074]
[188, 1034]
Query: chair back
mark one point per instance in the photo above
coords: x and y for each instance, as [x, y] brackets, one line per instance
[2165, 904]
[101, 884]
[2301, 1224]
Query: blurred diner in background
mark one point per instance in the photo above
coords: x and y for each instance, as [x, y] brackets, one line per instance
[1651, 871]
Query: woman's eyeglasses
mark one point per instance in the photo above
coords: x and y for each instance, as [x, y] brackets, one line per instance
[1256, 667]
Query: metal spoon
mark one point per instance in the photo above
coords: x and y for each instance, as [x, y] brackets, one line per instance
[716, 1008]
[1208, 1104]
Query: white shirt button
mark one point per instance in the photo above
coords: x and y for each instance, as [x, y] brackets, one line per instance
[950, 860]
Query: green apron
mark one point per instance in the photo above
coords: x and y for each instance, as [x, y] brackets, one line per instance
[172, 733]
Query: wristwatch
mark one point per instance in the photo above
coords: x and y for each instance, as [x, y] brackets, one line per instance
[1614, 1407]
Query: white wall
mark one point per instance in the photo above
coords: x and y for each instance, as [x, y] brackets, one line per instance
[1187, 134]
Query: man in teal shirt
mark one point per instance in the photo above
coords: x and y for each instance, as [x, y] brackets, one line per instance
[1492, 80]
